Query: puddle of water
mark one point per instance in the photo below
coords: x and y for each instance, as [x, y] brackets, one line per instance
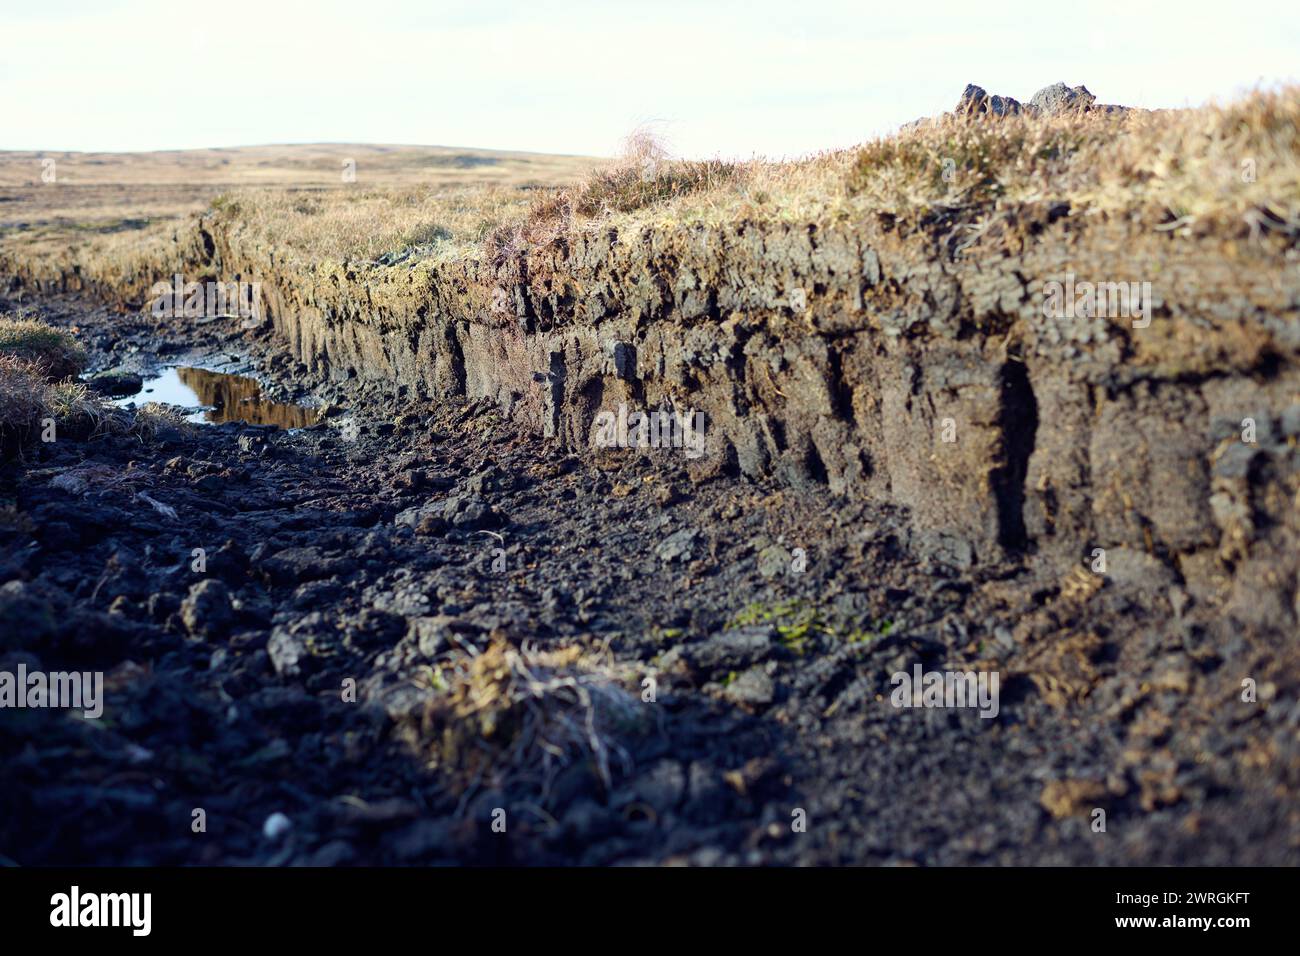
[225, 398]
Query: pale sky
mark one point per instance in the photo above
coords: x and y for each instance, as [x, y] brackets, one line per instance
[576, 76]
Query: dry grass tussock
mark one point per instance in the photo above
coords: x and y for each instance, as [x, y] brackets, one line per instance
[22, 400]
[527, 713]
[28, 400]
[37, 363]
[37, 367]
[50, 351]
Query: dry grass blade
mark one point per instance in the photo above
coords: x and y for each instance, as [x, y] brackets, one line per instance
[525, 713]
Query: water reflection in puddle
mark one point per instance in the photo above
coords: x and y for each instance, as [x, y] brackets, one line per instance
[227, 398]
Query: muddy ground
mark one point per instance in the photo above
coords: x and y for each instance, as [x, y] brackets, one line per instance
[401, 536]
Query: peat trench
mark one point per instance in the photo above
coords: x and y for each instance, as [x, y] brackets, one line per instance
[306, 634]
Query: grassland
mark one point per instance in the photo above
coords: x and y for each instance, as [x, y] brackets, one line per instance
[1229, 169]
[1234, 166]
[105, 212]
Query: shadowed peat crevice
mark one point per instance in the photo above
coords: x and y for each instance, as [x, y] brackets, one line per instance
[1018, 423]
[814, 466]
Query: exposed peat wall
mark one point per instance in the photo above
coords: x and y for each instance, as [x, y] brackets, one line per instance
[913, 365]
